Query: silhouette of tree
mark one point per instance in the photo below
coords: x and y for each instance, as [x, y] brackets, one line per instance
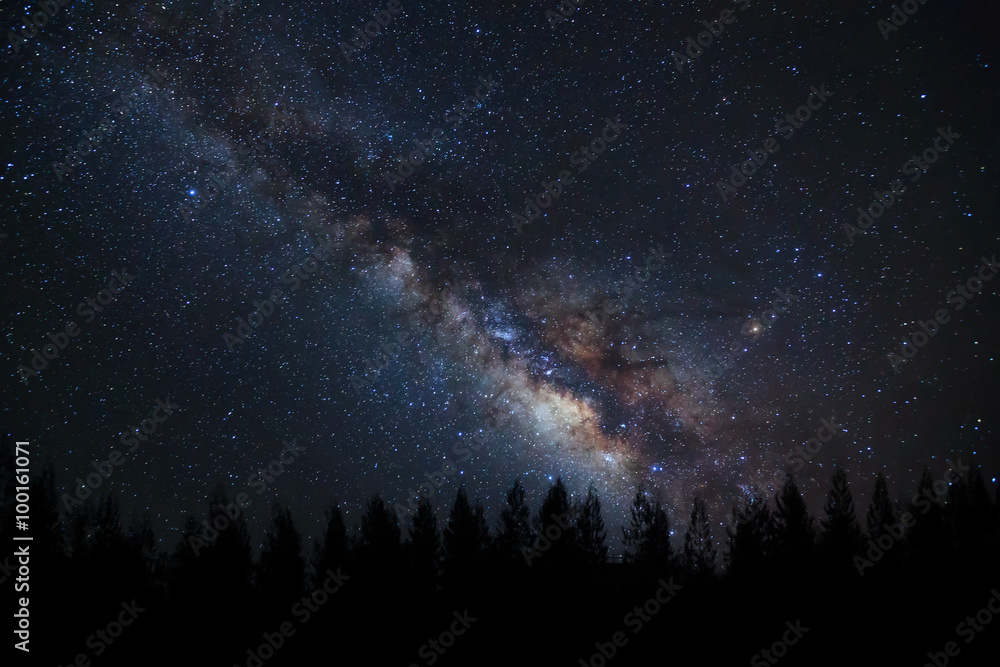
[335, 549]
[640, 516]
[699, 554]
[881, 513]
[647, 535]
[554, 527]
[282, 570]
[423, 548]
[143, 554]
[466, 539]
[215, 553]
[514, 531]
[379, 550]
[794, 529]
[841, 536]
[590, 528]
[749, 538]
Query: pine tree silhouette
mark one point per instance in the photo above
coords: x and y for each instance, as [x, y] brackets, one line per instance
[423, 549]
[647, 535]
[514, 531]
[749, 539]
[881, 515]
[379, 550]
[590, 528]
[282, 571]
[335, 549]
[840, 539]
[555, 530]
[699, 553]
[794, 529]
[466, 540]
[143, 556]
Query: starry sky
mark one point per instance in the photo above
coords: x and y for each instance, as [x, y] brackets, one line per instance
[504, 327]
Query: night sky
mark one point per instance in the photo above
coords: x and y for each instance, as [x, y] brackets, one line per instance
[498, 318]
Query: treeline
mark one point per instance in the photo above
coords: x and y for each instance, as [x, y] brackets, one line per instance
[410, 579]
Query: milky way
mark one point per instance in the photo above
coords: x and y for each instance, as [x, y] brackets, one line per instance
[253, 138]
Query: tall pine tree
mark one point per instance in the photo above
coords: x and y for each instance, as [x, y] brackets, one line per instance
[514, 531]
[647, 535]
[699, 553]
[794, 529]
[466, 540]
[590, 528]
[423, 548]
[749, 538]
[841, 537]
[882, 511]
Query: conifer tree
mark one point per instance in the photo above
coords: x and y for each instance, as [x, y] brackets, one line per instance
[699, 553]
[282, 567]
[335, 549]
[514, 531]
[423, 546]
[749, 538]
[466, 539]
[841, 536]
[882, 512]
[590, 528]
[794, 528]
[647, 535]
